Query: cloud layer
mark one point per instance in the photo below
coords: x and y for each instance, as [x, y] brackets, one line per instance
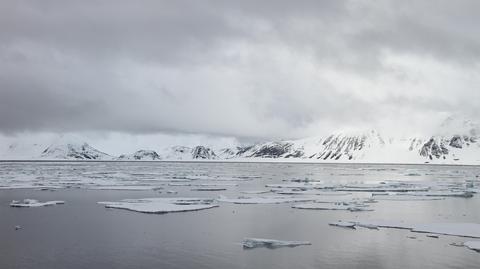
[261, 69]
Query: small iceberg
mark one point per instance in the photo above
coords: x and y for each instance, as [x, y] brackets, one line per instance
[34, 203]
[249, 243]
[162, 205]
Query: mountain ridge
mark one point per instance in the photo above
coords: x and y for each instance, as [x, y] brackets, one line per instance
[460, 146]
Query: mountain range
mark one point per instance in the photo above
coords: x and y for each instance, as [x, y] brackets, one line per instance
[456, 142]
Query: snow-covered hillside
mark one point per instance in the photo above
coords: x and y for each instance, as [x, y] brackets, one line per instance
[140, 155]
[454, 142]
[73, 150]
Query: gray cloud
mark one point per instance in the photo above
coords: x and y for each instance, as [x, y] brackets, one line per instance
[242, 68]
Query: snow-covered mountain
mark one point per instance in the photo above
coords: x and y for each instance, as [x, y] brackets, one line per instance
[140, 155]
[61, 148]
[189, 153]
[73, 151]
[454, 142]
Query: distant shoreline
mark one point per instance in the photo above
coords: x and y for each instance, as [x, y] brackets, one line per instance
[233, 161]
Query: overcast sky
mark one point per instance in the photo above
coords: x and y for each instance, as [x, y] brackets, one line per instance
[256, 69]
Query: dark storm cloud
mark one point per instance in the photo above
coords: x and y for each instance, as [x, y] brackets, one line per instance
[244, 68]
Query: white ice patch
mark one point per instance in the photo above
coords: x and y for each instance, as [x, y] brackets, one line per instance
[264, 200]
[406, 198]
[312, 192]
[301, 186]
[454, 229]
[249, 243]
[473, 245]
[461, 194]
[125, 188]
[255, 192]
[162, 205]
[333, 206]
[34, 203]
[343, 224]
[209, 189]
[29, 186]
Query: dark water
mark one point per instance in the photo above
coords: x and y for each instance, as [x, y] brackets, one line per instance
[83, 234]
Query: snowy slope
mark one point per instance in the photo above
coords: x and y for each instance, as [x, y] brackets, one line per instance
[455, 141]
[140, 155]
[188, 153]
[73, 151]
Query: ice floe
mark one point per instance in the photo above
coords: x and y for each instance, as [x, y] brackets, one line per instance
[473, 245]
[312, 192]
[384, 197]
[454, 228]
[343, 224]
[333, 206]
[126, 188]
[210, 189]
[162, 205]
[250, 243]
[34, 203]
[256, 192]
[264, 199]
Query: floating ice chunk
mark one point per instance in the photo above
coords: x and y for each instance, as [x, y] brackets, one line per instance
[216, 185]
[462, 194]
[433, 235]
[455, 229]
[33, 203]
[249, 243]
[382, 189]
[332, 206]
[384, 197]
[125, 188]
[18, 227]
[255, 192]
[209, 189]
[180, 184]
[162, 205]
[204, 184]
[473, 245]
[344, 224]
[300, 186]
[264, 200]
[313, 192]
[29, 186]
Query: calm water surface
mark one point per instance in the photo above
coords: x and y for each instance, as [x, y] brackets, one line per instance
[84, 234]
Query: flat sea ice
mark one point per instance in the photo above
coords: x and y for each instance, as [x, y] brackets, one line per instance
[162, 205]
[250, 243]
[343, 224]
[264, 200]
[209, 189]
[332, 206]
[473, 245]
[125, 188]
[34, 203]
[454, 229]
[406, 198]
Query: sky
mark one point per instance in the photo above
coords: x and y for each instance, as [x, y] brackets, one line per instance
[252, 70]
